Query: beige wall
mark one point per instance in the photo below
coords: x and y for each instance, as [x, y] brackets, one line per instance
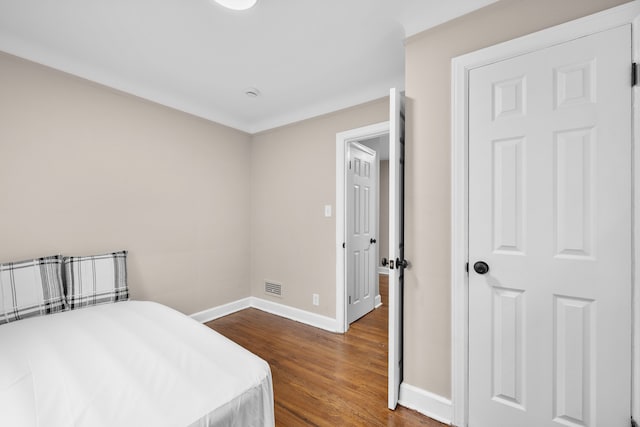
[206, 212]
[85, 169]
[427, 337]
[293, 175]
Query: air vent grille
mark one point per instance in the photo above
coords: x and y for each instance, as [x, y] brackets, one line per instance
[274, 289]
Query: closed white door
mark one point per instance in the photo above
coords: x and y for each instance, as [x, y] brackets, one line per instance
[361, 227]
[550, 215]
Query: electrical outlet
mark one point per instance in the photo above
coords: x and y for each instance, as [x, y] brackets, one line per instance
[316, 299]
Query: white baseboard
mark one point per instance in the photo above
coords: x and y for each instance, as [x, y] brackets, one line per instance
[378, 301]
[221, 310]
[292, 313]
[383, 270]
[429, 404]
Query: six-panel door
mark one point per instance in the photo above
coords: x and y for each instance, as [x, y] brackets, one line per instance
[550, 213]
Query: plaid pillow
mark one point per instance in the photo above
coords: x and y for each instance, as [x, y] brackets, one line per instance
[31, 288]
[96, 279]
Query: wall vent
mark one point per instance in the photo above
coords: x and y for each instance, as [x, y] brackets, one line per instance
[273, 289]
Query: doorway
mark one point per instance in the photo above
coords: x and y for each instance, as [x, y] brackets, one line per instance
[362, 229]
[394, 128]
[372, 137]
[381, 145]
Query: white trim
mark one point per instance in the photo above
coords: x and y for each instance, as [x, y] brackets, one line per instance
[378, 302]
[429, 404]
[342, 139]
[213, 313]
[459, 243]
[461, 66]
[370, 94]
[291, 313]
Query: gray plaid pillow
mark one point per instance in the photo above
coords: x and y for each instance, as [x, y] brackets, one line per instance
[31, 288]
[95, 279]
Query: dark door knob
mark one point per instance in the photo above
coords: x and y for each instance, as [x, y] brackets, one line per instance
[372, 240]
[404, 263]
[481, 267]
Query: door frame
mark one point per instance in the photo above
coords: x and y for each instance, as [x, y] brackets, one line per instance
[342, 141]
[461, 66]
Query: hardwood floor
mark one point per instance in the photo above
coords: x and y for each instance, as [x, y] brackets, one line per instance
[321, 378]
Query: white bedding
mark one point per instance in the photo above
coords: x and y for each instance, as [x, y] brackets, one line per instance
[128, 364]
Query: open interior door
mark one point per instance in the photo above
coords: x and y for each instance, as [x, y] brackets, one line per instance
[396, 241]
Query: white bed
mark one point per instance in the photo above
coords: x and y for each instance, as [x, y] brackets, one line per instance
[129, 363]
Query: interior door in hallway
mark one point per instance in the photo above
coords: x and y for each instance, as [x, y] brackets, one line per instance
[550, 236]
[361, 227]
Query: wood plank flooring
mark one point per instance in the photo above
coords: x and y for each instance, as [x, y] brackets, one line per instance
[321, 378]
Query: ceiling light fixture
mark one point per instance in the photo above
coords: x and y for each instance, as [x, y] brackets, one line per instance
[252, 92]
[237, 4]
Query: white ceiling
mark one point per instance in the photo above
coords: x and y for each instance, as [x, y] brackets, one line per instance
[307, 57]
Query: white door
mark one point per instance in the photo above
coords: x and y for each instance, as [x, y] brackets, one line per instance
[361, 227]
[396, 243]
[550, 215]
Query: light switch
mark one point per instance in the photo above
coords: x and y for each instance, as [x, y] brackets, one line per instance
[327, 210]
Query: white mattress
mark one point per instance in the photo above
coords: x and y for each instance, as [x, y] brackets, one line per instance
[128, 364]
